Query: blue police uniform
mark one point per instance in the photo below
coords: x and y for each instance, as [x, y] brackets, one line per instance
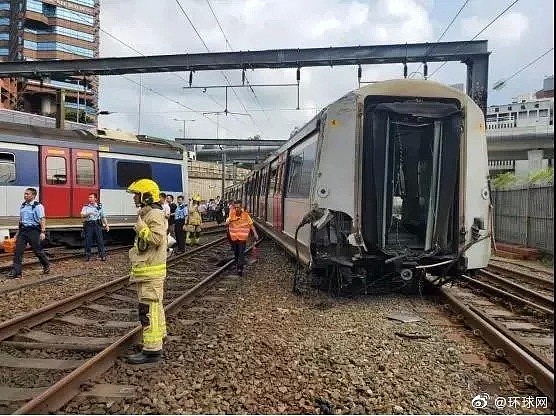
[92, 228]
[30, 215]
[179, 222]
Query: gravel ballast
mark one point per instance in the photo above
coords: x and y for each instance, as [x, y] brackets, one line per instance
[249, 345]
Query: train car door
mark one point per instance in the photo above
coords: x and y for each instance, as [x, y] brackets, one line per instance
[55, 186]
[84, 178]
[262, 193]
[278, 203]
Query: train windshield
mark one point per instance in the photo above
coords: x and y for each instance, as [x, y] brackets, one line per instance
[410, 175]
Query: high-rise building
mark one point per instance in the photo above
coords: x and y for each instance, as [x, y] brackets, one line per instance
[50, 29]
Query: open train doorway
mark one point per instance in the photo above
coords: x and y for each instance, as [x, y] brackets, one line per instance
[411, 169]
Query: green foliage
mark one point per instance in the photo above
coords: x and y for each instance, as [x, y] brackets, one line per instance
[542, 176]
[505, 179]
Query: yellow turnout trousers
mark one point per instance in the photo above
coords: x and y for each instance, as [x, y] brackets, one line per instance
[151, 313]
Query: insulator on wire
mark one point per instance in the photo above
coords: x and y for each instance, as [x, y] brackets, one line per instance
[298, 75]
[190, 78]
[359, 72]
[404, 70]
[243, 76]
[425, 70]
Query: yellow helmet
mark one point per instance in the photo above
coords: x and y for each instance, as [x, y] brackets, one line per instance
[196, 198]
[147, 188]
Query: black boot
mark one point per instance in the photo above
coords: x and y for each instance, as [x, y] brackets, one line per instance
[144, 357]
[14, 275]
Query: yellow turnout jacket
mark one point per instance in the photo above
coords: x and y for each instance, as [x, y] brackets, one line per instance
[148, 254]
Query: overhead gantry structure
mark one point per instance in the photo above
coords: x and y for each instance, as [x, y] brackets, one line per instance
[473, 53]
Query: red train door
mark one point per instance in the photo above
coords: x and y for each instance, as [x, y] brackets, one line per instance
[55, 187]
[84, 178]
[278, 202]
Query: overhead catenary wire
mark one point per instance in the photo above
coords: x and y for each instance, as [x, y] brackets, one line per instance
[222, 72]
[148, 88]
[498, 16]
[524, 67]
[231, 49]
[444, 32]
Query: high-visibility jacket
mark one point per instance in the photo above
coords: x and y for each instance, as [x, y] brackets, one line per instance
[239, 227]
[148, 255]
[194, 216]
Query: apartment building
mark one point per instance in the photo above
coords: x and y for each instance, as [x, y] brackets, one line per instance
[50, 29]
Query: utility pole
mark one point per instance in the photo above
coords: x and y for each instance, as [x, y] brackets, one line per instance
[60, 109]
[77, 111]
[140, 99]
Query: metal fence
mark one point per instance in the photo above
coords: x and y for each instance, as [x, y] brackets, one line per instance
[525, 216]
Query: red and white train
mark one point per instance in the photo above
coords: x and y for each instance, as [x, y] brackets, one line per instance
[66, 165]
[384, 187]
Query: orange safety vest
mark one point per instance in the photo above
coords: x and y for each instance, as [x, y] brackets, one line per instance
[239, 227]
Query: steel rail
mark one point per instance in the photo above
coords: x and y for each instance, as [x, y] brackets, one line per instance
[537, 298]
[6, 267]
[68, 387]
[545, 283]
[12, 326]
[505, 294]
[534, 371]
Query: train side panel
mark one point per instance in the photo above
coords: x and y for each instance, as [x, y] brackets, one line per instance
[118, 171]
[476, 192]
[18, 170]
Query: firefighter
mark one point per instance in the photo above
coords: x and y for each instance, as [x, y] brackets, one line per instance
[148, 268]
[193, 222]
[240, 225]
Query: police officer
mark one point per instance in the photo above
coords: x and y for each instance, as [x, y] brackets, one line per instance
[148, 268]
[180, 214]
[32, 230]
[93, 220]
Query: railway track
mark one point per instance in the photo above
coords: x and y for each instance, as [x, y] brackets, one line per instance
[60, 254]
[51, 353]
[513, 312]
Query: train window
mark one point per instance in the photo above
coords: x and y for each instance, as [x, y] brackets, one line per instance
[127, 172]
[85, 172]
[302, 161]
[56, 172]
[7, 168]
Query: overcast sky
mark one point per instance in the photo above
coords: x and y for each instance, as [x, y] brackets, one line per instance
[522, 34]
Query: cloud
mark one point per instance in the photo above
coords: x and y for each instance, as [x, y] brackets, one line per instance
[265, 24]
[507, 30]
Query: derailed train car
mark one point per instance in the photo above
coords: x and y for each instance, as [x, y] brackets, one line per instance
[385, 186]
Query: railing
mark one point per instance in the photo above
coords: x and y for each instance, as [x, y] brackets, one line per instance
[12, 116]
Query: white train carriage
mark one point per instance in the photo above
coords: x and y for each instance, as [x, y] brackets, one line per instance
[382, 186]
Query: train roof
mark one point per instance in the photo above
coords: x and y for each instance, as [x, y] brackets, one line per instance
[396, 87]
[104, 140]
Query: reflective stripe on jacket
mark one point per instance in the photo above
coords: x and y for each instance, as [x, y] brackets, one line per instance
[239, 227]
[194, 216]
[148, 255]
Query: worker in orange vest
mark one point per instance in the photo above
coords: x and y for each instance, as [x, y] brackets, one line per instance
[240, 226]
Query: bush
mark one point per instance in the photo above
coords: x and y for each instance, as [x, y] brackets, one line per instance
[505, 179]
[542, 176]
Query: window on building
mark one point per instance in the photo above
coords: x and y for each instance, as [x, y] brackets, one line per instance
[85, 172]
[7, 168]
[127, 172]
[56, 172]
